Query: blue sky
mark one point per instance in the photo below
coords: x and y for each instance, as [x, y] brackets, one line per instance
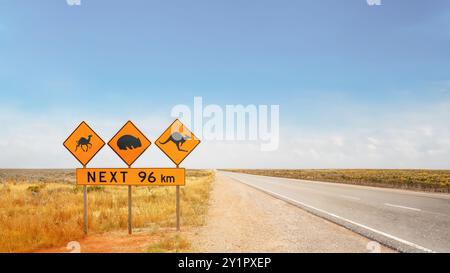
[338, 69]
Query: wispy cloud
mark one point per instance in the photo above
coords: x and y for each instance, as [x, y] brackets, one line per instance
[390, 140]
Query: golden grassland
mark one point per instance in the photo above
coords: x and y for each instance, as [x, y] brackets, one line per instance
[43, 208]
[425, 180]
[170, 243]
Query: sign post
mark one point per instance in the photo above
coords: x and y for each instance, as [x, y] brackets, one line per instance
[85, 229]
[84, 144]
[85, 210]
[177, 142]
[132, 177]
[130, 215]
[178, 208]
[129, 143]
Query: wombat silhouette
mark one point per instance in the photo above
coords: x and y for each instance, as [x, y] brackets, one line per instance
[178, 139]
[126, 142]
[84, 142]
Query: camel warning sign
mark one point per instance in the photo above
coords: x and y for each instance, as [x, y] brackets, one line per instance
[84, 143]
[129, 143]
[177, 142]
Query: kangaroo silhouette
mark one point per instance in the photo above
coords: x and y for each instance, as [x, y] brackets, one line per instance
[178, 139]
[84, 142]
[128, 142]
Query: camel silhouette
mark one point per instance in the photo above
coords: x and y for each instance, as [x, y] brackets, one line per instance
[178, 139]
[84, 142]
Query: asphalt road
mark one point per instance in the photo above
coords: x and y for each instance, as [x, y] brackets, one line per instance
[404, 220]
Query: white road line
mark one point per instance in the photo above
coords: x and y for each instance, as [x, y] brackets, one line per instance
[350, 197]
[402, 207]
[340, 218]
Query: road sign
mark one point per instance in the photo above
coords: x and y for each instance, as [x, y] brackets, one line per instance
[131, 177]
[84, 143]
[129, 143]
[177, 142]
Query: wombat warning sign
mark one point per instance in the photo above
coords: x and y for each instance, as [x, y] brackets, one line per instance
[129, 143]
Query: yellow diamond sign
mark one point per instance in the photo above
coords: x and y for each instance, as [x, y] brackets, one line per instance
[177, 142]
[84, 143]
[129, 143]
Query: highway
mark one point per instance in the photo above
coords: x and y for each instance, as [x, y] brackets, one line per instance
[407, 221]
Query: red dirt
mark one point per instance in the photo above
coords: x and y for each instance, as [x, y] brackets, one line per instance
[113, 242]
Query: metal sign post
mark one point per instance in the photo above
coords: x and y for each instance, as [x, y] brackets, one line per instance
[85, 210]
[178, 206]
[177, 142]
[130, 220]
[129, 143]
[83, 143]
[131, 177]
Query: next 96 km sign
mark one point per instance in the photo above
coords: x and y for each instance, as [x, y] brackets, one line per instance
[131, 177]
[177, 142]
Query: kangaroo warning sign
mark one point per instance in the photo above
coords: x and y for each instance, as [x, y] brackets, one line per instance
[129, 143]
[177, 142]
[131, 177]
[84, 143]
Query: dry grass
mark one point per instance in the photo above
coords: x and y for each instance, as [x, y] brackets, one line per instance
[172, 243]
[42, 212]
[425, 180]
